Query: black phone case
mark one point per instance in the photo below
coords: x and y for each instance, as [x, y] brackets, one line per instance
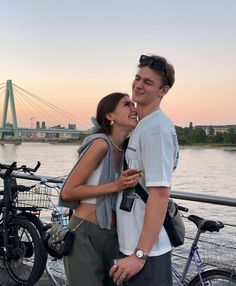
[127, 202]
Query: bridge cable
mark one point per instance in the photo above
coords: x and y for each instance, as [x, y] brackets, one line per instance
[36, 107]
[65, 113]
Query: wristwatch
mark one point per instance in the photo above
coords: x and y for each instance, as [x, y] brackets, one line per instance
[140, 254]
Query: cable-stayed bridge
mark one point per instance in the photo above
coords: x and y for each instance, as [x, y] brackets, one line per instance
[28, 106]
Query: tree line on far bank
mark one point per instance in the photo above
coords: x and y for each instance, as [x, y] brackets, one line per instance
[196, 135]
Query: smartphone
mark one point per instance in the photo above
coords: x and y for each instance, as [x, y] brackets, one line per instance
[135, 171]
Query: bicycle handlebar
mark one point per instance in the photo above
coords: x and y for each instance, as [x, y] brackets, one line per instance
[29, 170]
[22, 188]
[183, 209]
[9, 169]
[13, 167]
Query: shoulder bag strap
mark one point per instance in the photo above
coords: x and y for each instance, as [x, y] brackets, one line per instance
[139, 190]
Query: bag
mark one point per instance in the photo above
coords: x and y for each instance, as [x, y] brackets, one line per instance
[174, 224]
[59, 241]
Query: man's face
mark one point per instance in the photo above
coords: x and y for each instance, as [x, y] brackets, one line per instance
[146, 87]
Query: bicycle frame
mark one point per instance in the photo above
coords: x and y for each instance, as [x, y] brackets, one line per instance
[192, 256]
[6, 212]
[8, 209]
[21, 244]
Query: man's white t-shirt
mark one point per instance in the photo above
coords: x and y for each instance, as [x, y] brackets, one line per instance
[153, 148]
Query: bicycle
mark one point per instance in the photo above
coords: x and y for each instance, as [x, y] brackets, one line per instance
[21, 246]
[205, 276]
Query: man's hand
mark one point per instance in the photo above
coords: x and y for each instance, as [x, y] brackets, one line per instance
[126, 268]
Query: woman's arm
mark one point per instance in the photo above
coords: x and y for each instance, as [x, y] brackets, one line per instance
[75, 187]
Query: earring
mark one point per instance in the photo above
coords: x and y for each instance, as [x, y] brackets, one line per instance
[111, 123]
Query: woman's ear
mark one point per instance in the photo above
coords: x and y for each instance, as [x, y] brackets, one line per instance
[110, 116]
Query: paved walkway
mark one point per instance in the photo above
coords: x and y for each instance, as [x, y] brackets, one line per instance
[5, 280]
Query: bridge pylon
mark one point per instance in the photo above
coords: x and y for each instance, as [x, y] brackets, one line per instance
[9, 97]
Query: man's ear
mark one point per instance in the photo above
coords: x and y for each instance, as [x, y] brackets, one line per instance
[165, 89]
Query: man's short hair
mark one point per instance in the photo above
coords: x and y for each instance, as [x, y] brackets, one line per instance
[160, 66]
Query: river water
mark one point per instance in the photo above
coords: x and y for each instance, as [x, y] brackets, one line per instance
[200, 170]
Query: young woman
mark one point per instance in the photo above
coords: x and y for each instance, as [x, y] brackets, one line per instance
[92, 187]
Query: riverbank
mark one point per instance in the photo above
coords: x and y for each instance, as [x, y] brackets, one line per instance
[225, 147]
[210, 145]
[11, 141]
[43, 140]
[80, 140]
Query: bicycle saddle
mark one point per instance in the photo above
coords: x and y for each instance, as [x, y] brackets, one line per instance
[205, 224]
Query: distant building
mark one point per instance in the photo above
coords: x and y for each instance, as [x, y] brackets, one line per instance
[215, 128]
[42, 133]
[57, 127]
[43, 125]
[72, 126]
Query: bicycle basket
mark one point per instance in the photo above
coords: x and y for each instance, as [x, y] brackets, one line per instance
[38, 197]
[219, 250]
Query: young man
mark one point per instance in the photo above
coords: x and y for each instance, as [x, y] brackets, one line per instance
[152, 148]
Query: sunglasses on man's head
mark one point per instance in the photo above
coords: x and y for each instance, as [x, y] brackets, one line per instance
[154, 64]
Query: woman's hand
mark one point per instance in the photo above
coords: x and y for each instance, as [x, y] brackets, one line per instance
[128, 179]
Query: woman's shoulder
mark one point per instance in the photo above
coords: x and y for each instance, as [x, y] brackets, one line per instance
[96, 136]
[101, 144]
[99, 141]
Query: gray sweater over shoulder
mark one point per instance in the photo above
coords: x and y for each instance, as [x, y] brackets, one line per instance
[104, 204]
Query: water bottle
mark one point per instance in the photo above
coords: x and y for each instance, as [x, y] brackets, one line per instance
[63, 216]
[55, 217]
[63, 220]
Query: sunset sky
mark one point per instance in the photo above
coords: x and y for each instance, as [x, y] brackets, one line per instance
[71, 53]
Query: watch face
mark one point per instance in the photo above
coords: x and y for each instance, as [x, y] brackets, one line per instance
[139, 253]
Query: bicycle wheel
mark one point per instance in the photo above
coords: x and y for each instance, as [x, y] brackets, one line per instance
[35, 220]
[215, 277]
[26, 256]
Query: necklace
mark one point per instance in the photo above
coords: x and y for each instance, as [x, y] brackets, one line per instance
[113, 143]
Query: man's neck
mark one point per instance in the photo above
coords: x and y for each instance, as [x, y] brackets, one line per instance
[143, 111]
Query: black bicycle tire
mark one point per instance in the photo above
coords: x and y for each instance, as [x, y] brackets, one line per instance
[210, 274]
[42, 229]
[34, 220]
[40, 259]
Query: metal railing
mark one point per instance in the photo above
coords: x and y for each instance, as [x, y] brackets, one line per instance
[203, 198]
[193, 197]
[197, 197]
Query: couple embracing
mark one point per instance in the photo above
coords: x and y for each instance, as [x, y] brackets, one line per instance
[115, 223]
